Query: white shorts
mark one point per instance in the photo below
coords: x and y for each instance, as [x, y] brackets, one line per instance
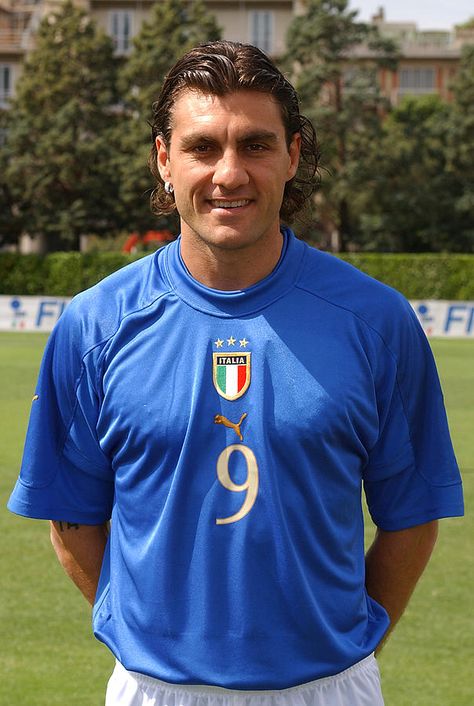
[357, 686]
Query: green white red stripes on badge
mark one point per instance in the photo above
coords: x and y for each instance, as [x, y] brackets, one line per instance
[231, 378]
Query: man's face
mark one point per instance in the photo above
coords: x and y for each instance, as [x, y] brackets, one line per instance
[228, 162]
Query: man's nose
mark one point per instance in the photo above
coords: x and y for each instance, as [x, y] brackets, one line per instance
[229, 171]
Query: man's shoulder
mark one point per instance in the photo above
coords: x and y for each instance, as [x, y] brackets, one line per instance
[340, 284]
[94, 315]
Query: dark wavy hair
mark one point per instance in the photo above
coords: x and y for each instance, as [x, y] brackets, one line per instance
[220, 68]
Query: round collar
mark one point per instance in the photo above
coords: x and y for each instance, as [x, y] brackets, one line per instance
[239, 302]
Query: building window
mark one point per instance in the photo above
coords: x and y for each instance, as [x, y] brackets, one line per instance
[5, 84]
[261, 30]
[121, 31]
[417, 81]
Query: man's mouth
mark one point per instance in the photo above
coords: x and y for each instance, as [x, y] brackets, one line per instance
[238, 203]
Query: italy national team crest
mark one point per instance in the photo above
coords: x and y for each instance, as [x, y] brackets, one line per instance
[231, 373]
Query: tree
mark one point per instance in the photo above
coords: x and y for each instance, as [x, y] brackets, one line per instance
[61, 176]
[340, 93]
[460, 158]
[469, 24]
[174, 27]
[420, 194]
[409, 200]
[10, 223]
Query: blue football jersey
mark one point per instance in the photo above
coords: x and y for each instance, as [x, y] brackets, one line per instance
[229, 436]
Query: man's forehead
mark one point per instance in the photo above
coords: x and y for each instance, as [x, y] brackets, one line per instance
[193, 108]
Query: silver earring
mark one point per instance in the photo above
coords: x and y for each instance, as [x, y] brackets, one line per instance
[169, 187]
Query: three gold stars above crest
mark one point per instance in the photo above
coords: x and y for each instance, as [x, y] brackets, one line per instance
[231, 342]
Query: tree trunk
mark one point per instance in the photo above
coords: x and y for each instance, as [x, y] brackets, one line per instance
[344, 225]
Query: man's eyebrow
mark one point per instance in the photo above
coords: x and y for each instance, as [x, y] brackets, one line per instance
[191, 139]
[259, 136]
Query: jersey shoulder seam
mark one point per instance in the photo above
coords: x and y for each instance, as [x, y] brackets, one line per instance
[102, 342]
[388, 349]
[350, 311]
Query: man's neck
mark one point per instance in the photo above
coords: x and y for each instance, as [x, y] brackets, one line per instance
[231, 269]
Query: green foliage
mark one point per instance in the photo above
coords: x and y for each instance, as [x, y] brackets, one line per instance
[420, 276]
[10, 223]
[59, 274]
[469, 24]
[173, 27]
[420, 187]
[410, 197]
[423, 276]
[396, 180]
[95, 267]
[61, 176]
[342, 99]
[22, 274]
[460, 160]
[63, 272]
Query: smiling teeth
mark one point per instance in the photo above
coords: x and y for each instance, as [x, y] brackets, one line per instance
[230, 204]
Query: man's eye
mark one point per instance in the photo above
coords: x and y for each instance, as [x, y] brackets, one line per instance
[255, 147]
[202, 149]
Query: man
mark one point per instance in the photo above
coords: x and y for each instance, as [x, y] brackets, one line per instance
[222, 402]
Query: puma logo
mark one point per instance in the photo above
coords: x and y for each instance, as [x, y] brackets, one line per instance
[219, 419]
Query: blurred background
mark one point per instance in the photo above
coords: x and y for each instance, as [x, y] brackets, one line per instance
[390, 89]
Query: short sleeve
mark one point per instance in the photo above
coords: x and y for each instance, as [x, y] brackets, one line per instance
[412, 476]
[64, 473]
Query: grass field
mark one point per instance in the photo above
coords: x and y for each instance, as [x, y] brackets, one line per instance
[48, 656]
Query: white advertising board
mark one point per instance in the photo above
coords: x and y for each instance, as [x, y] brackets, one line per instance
[438, 318]
[445, 318]
[23, 313]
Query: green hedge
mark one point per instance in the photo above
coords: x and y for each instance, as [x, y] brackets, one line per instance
[60, 274]
[419, 276]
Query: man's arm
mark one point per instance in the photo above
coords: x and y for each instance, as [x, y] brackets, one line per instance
[80, 550]
[394, 563]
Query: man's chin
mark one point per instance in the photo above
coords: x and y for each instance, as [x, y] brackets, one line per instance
[225, 237]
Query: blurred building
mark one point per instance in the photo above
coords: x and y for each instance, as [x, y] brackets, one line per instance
[428, 58]
[15, 18]
[259, 22]
[428, 62]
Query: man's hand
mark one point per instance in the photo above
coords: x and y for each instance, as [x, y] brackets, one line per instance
[394, 563]
[80, 550]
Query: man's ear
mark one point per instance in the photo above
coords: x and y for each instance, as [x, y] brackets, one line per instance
[162, 158]
[294, 155]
